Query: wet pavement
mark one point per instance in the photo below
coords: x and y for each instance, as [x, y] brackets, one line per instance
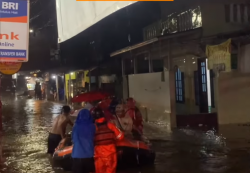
[27, 122]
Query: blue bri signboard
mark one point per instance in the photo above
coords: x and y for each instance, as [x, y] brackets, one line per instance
[14, 30]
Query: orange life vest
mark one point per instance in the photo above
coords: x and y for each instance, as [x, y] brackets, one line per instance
[104, 136]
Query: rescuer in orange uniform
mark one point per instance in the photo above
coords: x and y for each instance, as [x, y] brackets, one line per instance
[105, 138]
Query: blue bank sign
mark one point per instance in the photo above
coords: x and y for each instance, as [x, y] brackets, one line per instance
[14, 30]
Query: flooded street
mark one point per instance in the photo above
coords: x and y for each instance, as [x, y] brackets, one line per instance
[27, 121]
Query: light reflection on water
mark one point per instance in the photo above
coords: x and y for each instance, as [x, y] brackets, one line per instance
[27, 121]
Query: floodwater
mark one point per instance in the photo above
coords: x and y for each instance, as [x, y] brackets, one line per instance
[27, 121]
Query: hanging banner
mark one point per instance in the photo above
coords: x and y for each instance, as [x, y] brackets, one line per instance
[82, 15]
[10, 68]
[219, 56]
[14, 30]
[86, 77]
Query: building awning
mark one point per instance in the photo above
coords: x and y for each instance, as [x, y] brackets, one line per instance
[153, 40]
[129, 48]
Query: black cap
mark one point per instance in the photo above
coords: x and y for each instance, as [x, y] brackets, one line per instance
[97, 113]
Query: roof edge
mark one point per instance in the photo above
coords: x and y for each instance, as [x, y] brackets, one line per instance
[129, 48]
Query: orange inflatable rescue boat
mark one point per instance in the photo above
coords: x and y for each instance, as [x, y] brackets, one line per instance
[129, 152]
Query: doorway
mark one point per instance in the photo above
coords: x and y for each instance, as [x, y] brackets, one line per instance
[204, 99]
[202, 85]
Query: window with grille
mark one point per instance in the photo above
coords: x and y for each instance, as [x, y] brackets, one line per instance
[203, 77]
[234, 61]
[128, 66]
[179, 86]
[142, 63]
[157, 65]
[237, 13]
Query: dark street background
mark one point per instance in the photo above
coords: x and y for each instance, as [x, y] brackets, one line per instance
[92, 46]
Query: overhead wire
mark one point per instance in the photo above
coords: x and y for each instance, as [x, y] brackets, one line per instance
[48, 19]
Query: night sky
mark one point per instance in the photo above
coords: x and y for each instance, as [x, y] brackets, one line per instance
[93, 45]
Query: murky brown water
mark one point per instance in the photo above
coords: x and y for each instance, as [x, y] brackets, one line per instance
[27, 121]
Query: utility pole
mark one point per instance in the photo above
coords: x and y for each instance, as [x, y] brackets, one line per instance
[16, 81]
[89, 80]
[69, 88]
[57, 89]
[65, 86]
[1, 124]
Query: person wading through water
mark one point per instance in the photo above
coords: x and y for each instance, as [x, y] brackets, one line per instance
[83, 134]
[58, 130]
[105, 140]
